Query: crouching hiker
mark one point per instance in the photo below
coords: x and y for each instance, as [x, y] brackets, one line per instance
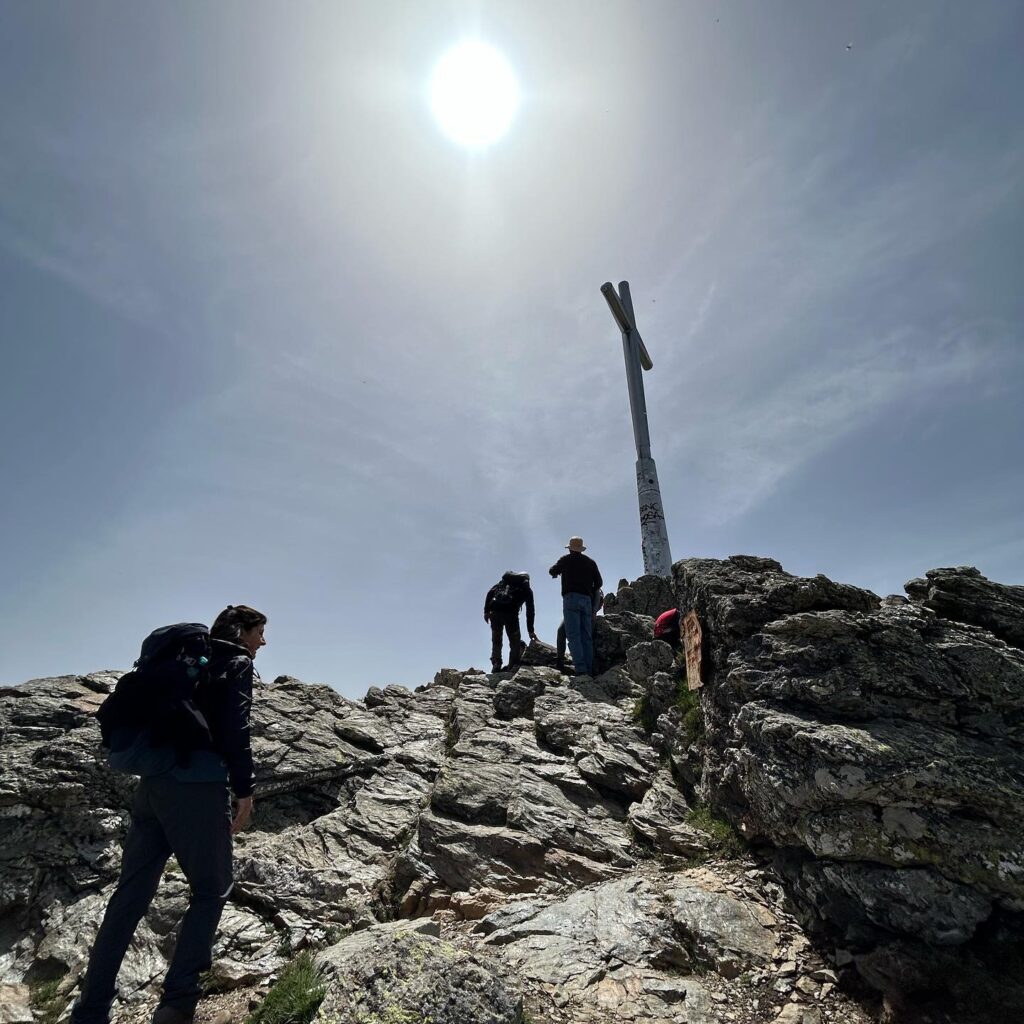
[180, 720]
[667, 627]
[501, 612]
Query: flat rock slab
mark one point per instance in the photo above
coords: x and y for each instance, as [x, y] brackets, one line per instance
[631, 946]
[399, 972]
[727, 934]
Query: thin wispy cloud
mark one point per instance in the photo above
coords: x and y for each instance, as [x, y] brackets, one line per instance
[267, 332]
[102, 270]
[749, 448]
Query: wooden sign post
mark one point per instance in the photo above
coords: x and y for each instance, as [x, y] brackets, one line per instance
[692, 637]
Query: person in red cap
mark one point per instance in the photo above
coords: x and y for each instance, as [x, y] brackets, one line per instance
[666, 627]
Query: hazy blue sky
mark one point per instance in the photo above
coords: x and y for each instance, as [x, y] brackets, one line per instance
[270, 337]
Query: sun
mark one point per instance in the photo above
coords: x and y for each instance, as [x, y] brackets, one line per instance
[474, 94]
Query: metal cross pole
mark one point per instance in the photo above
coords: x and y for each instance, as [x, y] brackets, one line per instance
[653, 532]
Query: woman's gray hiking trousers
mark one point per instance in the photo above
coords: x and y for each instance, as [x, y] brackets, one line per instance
[191, 820]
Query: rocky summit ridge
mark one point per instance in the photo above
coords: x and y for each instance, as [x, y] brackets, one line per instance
[828, 831]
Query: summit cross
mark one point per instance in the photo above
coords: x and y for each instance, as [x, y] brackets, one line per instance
[653, 531]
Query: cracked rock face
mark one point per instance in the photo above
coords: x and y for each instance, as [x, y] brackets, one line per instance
[964, 595]
[876, 745]
[512, 813]
[494, 845]
[62, 811]
[646, 595]
[365, 771]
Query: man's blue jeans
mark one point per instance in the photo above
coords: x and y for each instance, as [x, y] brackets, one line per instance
[578, 615]
[192, 820]
[560, 637]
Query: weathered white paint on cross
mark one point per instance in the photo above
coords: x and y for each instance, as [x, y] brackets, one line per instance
[653, 531]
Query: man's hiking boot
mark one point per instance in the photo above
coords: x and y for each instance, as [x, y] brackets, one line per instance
[171, 1015]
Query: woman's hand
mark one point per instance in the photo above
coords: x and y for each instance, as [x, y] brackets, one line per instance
[243, 811]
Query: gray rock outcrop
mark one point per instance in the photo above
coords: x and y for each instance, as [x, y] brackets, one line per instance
[646, 595]
[529, 845]
[964, 595]
[876, 746]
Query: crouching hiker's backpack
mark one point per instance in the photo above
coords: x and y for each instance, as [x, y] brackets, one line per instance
[157, 697]
[510, 591]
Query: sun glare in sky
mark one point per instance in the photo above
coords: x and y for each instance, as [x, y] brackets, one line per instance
[474, 94]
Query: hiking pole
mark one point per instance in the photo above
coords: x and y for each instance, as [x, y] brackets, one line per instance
[653, 531]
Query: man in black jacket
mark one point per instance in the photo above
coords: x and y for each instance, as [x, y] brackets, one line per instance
[184, 809]
[581, 579]
[501, 612]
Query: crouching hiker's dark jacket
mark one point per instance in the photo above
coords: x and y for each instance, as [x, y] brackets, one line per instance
[524, 595]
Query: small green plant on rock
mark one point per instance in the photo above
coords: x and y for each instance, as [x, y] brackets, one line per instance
[210, 984]
[295, 996]
[451, 732]
[727, 840]
[644, 715]
[335, 933]
[688, 703]
[46, 1000]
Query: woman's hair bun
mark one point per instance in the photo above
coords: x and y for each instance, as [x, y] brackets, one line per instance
[231, 622]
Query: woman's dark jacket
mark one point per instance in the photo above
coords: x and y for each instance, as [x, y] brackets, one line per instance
[226, 701]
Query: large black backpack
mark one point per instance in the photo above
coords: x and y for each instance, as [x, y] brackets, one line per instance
[510, 591]
[158, 694]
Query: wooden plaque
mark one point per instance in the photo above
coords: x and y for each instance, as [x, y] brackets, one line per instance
[692, 637]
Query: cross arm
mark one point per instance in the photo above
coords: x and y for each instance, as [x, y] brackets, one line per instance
[624, 318]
